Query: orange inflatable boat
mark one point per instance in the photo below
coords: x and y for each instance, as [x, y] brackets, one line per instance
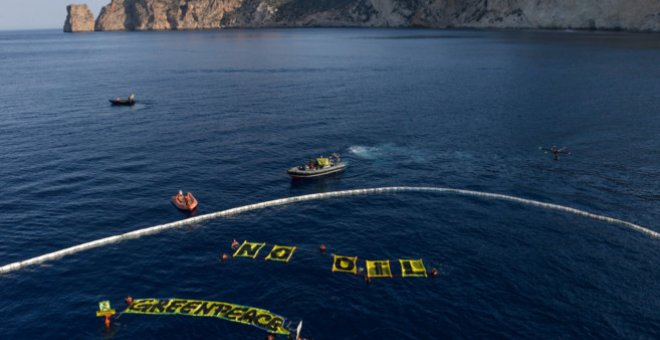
[186, 202]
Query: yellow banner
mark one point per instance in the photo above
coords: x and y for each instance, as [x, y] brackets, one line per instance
[342, 264]
[412, 268]
[380, 268]
[249, 249]
[281, 253]
[257, 317]
[345, 264]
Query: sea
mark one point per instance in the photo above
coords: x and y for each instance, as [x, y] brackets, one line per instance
[223, 114]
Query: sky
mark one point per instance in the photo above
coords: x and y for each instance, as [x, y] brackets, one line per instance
[38, 14]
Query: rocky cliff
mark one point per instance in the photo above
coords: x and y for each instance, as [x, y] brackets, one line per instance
[635, 15]
[78, 19]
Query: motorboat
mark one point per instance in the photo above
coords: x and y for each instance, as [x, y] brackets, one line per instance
[320, 166]
[186, 202]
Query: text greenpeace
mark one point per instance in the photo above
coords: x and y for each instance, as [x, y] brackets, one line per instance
[236, 313]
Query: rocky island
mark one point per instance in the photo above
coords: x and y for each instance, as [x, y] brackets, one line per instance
[78, 19]
[143, 15]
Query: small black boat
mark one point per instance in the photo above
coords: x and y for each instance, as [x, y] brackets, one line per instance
[319, 167]
[130, 101]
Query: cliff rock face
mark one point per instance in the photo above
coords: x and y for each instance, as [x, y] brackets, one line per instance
[78, 19]
[141, 15]
[636, 15]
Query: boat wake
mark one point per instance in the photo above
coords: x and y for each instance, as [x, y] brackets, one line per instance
[366, 152]
[388, 151]
[310, 197]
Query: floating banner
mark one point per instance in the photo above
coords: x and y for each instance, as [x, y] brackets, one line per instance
[380, 268]
[281, 253]
[277, 253]
[340, 263]
[344, 264]
[249, 249]
[256, 317]
[412, 268]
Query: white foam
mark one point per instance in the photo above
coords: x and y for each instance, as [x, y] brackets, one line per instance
[282, 201]
[366, 152]
[387, 151]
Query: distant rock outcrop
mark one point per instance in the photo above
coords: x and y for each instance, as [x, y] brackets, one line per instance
[78, 19]
[634, 15]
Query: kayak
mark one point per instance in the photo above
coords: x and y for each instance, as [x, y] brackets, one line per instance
[182, 203]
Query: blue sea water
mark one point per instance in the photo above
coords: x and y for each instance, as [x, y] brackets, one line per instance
[224, 113]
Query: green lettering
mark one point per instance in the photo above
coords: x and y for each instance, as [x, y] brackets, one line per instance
[174, 305]
[249, 317]
[224, 310]
[275, 324]
[208, 308]
[248, 249]
[203, 308]
[190, 307]
[263, 320]
[235, 313]
[141, 306]
[159, 306]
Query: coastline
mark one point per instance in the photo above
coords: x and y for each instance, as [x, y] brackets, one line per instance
[412, 28]
[166, 15]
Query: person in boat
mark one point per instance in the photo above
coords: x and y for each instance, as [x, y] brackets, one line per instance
[179, 196]
[310, 165]
[131, 98]
[188, 199]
